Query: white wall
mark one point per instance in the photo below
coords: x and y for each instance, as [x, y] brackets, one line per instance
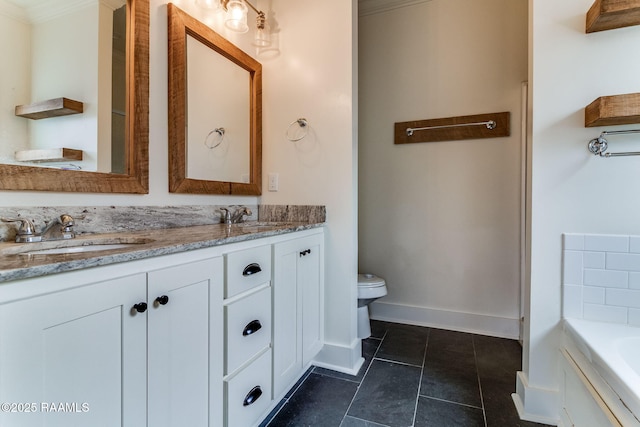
[311, 77]
[572, 191]
[441, 221]
[15, 39]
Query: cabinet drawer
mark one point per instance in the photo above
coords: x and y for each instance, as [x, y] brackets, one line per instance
[249, 393]
[247, 269]
[248, 328]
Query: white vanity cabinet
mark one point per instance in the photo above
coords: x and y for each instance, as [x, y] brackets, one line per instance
[83, 348]
[298, 307]
[205, 338]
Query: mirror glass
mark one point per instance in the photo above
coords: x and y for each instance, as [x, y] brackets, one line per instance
[67, 121]
[217, 132]
[215, 112]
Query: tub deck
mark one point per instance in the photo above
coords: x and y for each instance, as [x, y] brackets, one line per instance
[613, 352]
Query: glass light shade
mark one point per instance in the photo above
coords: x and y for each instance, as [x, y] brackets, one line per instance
[273, 50]
[208, 4]
[263, 37]
[237, 17]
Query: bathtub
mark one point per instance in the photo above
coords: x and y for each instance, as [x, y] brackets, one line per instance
[608, 354]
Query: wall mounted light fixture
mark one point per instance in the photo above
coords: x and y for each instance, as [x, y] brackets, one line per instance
[236, 20]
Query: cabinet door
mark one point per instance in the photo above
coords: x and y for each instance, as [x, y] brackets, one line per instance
[77, 357]
[185, 366]
[298, 307]
[310, 286]
[287, 337]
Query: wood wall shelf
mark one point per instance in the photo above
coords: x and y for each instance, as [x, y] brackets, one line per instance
[613, 110]
[49, 155]
[611, 14]
[49, 108]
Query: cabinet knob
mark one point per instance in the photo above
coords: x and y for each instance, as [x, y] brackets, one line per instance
[162, 300]
[140, 307]
[305, 252]
[252, 268]
[252, 396]
[252, 327]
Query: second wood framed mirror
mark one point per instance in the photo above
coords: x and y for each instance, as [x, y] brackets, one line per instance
[215, 111]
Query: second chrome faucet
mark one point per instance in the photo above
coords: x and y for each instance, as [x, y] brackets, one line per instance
[238, 215]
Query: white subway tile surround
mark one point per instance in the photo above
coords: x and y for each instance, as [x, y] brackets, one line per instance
[601, 278]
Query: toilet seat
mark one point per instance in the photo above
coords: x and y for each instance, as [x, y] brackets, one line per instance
[369, 281]
[370, 286]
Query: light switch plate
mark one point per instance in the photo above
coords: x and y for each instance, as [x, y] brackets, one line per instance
[273, 182]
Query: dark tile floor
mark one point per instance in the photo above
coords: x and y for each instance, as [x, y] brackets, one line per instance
[412, 376]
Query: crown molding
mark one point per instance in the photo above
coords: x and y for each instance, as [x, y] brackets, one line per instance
[12, 11]
[370, 7]
[45, 10]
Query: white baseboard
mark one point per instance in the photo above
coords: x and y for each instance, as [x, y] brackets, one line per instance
[345, 359]
[535, 404]
[443, 319]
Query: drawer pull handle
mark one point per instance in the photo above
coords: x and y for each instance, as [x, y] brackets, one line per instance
[305, 252]
[252, 327]
[140, 307]
[162, 300]
[252, 268]
[252, 396]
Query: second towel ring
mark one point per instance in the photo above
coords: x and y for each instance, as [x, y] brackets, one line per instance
[292, 131]
[214, 138]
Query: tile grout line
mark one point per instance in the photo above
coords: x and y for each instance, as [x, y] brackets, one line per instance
[325, 375]
[363, 377]
[299, 383]
[424, 361]
[277, 412]
[450, 401]
[475, 359]
[397, 362]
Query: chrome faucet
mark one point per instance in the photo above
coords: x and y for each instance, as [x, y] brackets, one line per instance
[225, 216]
[57, 229]
[237, 216]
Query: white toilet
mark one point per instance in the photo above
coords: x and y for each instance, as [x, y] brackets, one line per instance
[370, 288]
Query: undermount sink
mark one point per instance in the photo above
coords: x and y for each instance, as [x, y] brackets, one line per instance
[73, 246]
[78, 249]
[265, 224]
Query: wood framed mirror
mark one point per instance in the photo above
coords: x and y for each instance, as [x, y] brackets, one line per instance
[135, 176]
[215, 112]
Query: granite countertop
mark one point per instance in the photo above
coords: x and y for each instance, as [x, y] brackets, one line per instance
[16, 264]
